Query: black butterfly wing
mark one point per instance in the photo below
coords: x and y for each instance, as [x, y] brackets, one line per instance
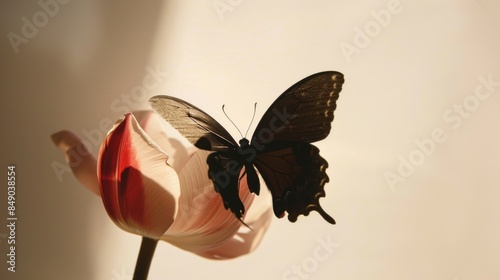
[292, 168]
[197, 126]
[304, 112]
[295, 175]
[207, 134]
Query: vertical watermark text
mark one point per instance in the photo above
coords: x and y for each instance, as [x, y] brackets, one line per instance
[11, 217]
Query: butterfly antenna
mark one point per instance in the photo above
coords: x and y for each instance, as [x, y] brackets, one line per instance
[254, 108]
[241, 221]
[231, 120]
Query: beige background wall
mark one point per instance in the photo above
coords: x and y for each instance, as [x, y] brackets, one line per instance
[404, 81]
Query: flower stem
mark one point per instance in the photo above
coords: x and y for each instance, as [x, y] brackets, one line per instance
[144, 259]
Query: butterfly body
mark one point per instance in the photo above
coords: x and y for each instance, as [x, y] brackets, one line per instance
[280, 148]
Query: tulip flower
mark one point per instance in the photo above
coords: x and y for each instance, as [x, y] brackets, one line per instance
[159, 189]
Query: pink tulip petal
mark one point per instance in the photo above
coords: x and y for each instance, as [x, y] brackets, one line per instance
[155, 128]
[258, 218]
[142, 194]
[139, 190]
[202, 222]
[81, 162]
[244, 241]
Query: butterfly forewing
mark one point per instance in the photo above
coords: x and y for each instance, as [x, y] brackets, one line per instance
[197, 126]
[304, 112]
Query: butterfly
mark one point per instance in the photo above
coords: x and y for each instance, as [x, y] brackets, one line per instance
[280, 148]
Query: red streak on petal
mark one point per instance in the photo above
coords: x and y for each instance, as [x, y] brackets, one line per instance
[120, 180]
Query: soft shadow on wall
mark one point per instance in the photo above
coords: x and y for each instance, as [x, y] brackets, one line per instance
[83, 54]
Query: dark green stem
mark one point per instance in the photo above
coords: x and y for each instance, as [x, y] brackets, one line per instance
[144, 259]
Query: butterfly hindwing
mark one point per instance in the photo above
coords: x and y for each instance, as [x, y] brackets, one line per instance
[295, 174]
[197, 126]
